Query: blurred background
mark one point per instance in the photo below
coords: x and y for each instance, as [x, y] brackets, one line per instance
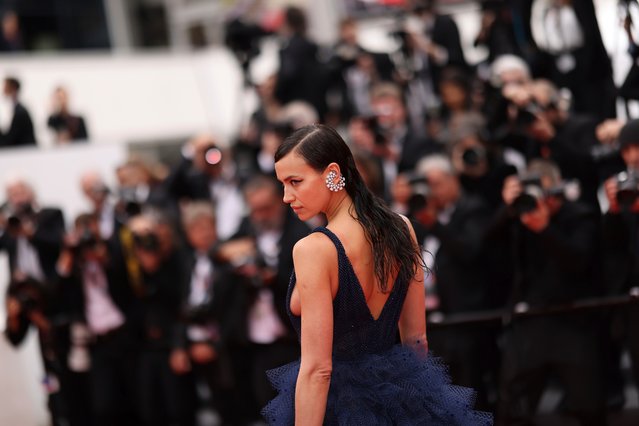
[138, 118]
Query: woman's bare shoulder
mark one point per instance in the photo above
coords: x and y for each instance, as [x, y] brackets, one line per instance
[315, 246]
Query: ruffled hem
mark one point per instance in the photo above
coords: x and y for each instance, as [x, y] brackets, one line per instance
[397, 387]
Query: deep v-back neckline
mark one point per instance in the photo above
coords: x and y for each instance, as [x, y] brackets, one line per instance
[358, 284]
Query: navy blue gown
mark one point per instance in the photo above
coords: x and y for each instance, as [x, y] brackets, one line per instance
[375, 381]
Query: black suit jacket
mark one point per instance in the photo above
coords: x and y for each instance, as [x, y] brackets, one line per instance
[413, 148]
[557, 265]
[47, 241]
[159, 308]
[21, 130]
[459, 267]
[301, 76]
[621, 251]
[293, 230]
[221, 308]
[70, 289]
[186, 182]
[446, 34]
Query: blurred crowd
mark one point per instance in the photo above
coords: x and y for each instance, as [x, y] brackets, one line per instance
[167, 298]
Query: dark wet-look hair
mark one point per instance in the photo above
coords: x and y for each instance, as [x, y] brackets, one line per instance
[394, 250]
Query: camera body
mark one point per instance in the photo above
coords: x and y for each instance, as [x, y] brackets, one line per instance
[420, 191]
[148, 242]
[18, 217]
[473, 156]
[627, 187]
[86, 241]
[533, 190]
[371, 122]
[527, 115]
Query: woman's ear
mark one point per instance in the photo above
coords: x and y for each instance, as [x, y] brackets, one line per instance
[333, 167]
[335, 181]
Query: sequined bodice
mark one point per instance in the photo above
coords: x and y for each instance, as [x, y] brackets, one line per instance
[355, 330]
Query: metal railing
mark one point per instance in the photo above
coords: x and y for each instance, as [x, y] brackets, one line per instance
[522, 310]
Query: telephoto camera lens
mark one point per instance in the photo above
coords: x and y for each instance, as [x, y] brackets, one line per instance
[531, 192]
[473, 156]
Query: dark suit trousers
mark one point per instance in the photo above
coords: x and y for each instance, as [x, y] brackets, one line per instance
[113, 379]
[539, 348]
[251, 362]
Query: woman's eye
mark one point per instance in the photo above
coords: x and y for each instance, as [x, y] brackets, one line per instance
[295, 182]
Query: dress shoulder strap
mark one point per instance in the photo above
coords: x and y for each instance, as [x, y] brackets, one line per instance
[338, 244]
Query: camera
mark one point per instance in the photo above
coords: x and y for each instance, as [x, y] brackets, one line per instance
[147, 242]
[19, 216]
[29, 293]
[627, 187]
[602, 153]
[371, 122]
[532, 191]
[420, 191]
[473, 156]
[86, 241]
[129, 201]
[527, 114]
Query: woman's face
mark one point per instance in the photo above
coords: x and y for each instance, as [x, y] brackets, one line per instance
[304, 187]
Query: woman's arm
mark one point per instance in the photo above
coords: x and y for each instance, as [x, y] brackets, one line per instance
[412, 321]
[313, 257]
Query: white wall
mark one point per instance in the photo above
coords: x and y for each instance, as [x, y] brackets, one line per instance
[142, 96]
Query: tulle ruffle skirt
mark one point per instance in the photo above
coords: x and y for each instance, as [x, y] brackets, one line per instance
[397, 387]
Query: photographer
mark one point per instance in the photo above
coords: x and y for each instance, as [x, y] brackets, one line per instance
[450, 227]
[164, 396]
[66, 127]
[261, 251]
[94, 288]
[301, 76]
[32, 236]
[553, 247]
[206, 172]
[209, 314]
[402, 144]
[540, 126]
[621, 256]
[481, 166]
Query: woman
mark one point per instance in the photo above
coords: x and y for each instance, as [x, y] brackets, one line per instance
[355, 281]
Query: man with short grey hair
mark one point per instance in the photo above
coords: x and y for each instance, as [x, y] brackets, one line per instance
[452, 228]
